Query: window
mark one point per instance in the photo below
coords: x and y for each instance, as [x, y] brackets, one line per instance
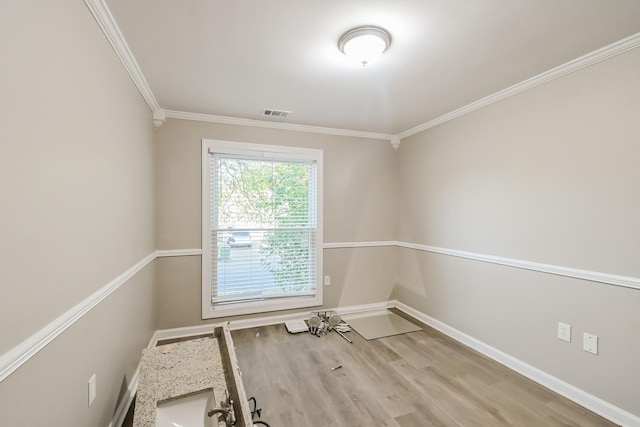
[261, 228]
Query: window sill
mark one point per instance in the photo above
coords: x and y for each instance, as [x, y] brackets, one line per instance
[262, 306]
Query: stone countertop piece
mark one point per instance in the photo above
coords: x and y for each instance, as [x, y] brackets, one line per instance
[177, 369]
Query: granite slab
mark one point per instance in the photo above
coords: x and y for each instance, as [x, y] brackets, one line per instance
[176, 370]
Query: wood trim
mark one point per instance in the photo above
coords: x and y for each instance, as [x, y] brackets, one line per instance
[165, 334]
[16, 357]
[184, 115]
[127, 399]
[575, 394]
[581, 397]
[177, 252]
[24, 351]
[125, 402]
[591, 58]
[367, 244]
[593, 276]
[233, 375]
[110, 28]
[12, 360]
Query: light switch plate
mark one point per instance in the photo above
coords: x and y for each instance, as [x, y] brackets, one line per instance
[564, 332]
[590, 343]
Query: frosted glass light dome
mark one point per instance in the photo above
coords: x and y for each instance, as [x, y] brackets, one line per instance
[364, 44]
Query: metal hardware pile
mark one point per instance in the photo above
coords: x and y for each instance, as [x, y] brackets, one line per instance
[322, 322]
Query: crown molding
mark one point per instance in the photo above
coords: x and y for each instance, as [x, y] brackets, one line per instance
[591, 58]
[105, 20]
[159, 116]
[184, 115]
[395, 142]
[108, 25]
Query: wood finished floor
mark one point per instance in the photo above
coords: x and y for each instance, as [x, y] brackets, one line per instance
[417, 379]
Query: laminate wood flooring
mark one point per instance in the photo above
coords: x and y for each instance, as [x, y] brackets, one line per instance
[419, 379]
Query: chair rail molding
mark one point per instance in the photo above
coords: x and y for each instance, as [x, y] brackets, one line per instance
[109, 27]
[16, 357]
[592, 276]
[20, 354]
[161, 253]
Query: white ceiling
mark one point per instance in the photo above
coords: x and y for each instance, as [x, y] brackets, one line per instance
[234, 58]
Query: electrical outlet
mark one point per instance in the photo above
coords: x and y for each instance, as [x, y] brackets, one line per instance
[564, 332]
[327, 280]
[92, 389]
[590, 343]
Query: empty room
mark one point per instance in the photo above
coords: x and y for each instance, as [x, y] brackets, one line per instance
[333, 213]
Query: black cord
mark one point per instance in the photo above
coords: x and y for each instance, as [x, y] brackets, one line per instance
[255, 403]
[256, 411]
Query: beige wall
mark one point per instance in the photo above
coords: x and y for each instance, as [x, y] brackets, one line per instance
[359, 205]
[551, 176]
[76, 182]
[51, 388]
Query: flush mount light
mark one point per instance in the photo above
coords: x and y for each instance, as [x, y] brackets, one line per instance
[364, 44]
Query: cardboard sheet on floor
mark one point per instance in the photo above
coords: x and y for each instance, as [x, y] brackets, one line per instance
[380, 324]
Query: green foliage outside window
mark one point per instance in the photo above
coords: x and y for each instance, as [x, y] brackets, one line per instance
[274, 197]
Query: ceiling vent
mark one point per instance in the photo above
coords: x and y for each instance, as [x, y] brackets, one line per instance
[271, 112]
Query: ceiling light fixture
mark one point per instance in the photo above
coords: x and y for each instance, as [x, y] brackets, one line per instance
[364, 44]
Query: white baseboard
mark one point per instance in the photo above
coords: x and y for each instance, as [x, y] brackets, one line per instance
[273, 320]
[126, 400]
[165, 334]
[581, 397]
[370, 313]
[187, 331]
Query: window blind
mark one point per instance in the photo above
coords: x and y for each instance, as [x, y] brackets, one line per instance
[263, 228]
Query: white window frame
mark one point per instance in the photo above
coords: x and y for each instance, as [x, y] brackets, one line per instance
[209, 310]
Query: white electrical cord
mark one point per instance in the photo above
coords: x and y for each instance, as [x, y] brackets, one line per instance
[342, 327]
